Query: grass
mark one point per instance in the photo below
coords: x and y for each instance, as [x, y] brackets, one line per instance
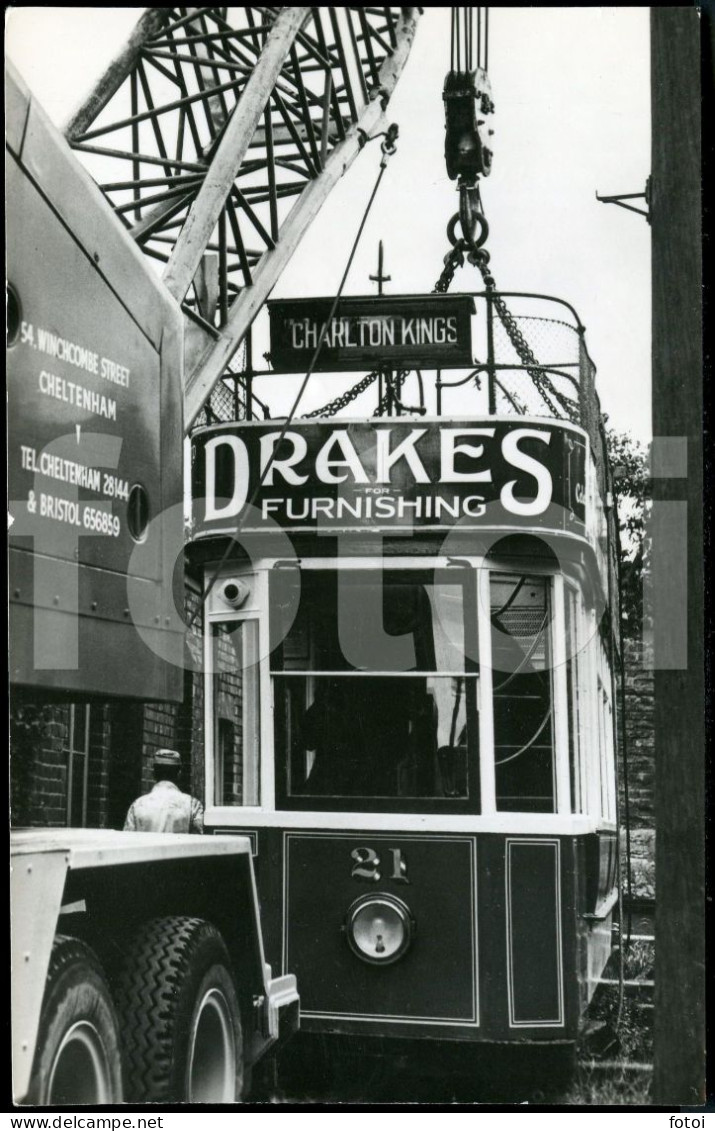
[613, 1039]
[639, 962]
[613, 1089]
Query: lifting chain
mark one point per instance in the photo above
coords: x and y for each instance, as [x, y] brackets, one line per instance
[391, 397]
[333, 407]
[470, 248]
[526, 355]
[453, 260]
[384, 402]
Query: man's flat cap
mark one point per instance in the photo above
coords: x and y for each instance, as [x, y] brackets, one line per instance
[167, 758]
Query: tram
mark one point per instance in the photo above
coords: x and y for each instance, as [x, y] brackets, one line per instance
[409, 654]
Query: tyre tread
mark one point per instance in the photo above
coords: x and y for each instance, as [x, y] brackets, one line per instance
[68, 951]
[146, 993]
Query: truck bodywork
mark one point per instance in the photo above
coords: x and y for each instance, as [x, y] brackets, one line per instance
[95, 423]
[101, 885]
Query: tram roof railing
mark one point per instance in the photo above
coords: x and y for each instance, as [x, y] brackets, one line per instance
[538, 364]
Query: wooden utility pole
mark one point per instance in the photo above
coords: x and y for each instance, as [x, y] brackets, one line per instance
[678, 614]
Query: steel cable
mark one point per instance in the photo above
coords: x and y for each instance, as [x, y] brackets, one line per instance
[388, 148]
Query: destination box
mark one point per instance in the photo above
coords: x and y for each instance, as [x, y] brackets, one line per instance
[402, 331]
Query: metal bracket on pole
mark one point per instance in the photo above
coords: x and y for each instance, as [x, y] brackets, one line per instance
[622, 197]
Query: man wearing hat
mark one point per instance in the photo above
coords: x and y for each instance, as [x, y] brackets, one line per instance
[166, 809]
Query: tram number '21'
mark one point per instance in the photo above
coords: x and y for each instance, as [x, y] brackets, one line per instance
[367, 865]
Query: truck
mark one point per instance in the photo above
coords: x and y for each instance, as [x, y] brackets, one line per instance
[138, 970]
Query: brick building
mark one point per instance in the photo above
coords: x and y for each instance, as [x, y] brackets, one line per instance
[82, 761]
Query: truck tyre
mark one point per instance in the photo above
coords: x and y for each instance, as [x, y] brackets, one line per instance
[77, 1059]
[179, 1016]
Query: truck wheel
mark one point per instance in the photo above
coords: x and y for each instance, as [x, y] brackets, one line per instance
[77, 1059]
[179, 1016]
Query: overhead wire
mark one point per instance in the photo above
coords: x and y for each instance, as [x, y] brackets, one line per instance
[469, 30]
[387, 149]
[479, 37]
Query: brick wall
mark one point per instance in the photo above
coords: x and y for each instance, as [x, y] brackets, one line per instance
[98, 775]
[180, 726]
[639, 731]
[39, 744]
[160, 729]
[38, 736]
[123, 737]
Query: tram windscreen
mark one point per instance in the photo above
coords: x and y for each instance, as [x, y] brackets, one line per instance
[522, 690]
[375, 689]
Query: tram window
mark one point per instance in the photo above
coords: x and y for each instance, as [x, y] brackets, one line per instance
[522, 691]
[367, 711]
[601, 748]
[605, 732]
[573, 664]
[594, 735]
[610, 766]
[236, 734]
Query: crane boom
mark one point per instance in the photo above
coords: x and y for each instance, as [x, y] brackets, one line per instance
[229, 128]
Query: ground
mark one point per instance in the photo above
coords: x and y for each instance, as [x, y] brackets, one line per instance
[612, 1067]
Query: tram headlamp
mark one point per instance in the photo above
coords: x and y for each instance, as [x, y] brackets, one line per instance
[379, 928]
[235, 593]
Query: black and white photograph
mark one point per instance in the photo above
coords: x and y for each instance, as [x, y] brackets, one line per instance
[356, 547]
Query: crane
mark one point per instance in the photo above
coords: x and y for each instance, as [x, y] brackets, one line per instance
[228, 128]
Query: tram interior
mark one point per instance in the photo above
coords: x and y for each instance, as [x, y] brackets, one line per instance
[377, 689]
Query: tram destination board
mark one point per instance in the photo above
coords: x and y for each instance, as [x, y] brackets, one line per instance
[371, 332]
[94, 433]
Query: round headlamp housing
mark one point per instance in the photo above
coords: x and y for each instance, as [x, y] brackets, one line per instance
[379, 928]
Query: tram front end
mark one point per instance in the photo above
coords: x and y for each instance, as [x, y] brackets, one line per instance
[409, 710]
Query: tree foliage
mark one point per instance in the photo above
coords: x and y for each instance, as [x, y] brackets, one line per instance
[629, 462]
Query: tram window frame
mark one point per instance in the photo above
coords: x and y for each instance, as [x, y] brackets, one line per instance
[549, 579]
[592, 727]
[400, 573]
[601, 724]
[250, 723]
[611, 760]
[574, 673]
[606, 743]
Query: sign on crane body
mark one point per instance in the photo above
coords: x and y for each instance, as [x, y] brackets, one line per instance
[95, 432]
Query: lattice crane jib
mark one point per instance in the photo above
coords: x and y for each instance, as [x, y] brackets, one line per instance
[217, 134]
